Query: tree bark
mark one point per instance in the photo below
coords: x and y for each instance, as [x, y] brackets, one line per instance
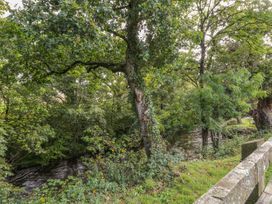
[205, 137]
[148, 130]
[263, 114]
[142, 109]
[204, 129]
[215, 137]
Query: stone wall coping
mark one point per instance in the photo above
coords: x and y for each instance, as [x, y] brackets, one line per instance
[237, 186]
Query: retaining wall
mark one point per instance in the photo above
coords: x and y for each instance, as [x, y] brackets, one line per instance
[245, 183]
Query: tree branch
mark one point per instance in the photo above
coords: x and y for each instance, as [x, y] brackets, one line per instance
[117, 34]
[89, 65]
[194, 82]
[120, 7]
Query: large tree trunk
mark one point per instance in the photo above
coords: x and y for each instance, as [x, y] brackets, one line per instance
[204, 129]
[145, 117]
[263, 114]
[148, 129]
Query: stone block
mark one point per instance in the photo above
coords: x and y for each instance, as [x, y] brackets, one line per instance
[245, 183]
[208, 200]
[251, 146]
[261, 159]
[265, 199]
[268, 188]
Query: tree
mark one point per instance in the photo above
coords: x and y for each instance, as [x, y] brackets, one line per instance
[211, 25]
[250, 48]
[3, 107]
[263, 113]
[115, 35]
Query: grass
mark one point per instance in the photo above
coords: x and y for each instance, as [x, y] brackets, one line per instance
[194, 180]
[268, 174]
[191, 180]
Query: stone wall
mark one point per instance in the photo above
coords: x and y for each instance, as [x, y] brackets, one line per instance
[245, 183]
[266, 197]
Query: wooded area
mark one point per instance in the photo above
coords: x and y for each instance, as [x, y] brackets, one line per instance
[115, 84]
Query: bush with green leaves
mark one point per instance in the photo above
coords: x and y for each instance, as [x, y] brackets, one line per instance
[3, 165]
[8, 193]
[224, 96]
[228, 148]
[160, 166]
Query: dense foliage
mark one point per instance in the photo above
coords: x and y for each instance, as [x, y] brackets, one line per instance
[117, 83]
